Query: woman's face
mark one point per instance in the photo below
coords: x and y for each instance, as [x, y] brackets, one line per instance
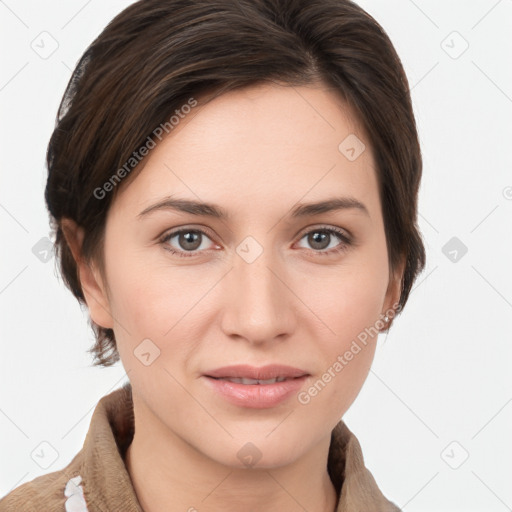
[259, 286]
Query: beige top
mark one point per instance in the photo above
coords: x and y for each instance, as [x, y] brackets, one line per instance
[96, 480]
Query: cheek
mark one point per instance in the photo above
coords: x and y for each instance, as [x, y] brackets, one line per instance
[348, 306]
[347, 300]
[151, 298]
[145, 302]
[137, 291]
[348, 354]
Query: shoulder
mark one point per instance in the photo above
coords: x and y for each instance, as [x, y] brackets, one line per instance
[58, 491]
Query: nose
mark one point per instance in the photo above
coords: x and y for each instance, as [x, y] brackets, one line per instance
[259, 303]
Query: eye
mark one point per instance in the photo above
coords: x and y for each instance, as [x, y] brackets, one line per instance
[188, 241]
[321, 238]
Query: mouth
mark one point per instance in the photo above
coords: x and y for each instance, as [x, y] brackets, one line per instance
[256, 393]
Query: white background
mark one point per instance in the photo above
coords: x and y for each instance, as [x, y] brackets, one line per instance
[442, 375]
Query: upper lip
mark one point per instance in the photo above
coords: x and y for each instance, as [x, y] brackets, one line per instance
[270, 371]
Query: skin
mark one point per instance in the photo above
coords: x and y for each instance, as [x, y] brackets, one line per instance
[256, 152]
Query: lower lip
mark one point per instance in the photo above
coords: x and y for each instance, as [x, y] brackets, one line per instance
[256, 396]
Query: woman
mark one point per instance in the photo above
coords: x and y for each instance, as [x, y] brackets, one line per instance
[233, 188]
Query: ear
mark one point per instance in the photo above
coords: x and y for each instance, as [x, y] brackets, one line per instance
[90, 278]
[394, 290]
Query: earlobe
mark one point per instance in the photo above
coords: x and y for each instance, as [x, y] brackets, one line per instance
[93, 288]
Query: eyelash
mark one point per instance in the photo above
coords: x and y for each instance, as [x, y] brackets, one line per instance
[342, 247]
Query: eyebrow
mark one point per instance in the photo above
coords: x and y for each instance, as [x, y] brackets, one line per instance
[212, 210]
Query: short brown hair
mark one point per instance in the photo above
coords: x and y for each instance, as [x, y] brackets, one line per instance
[155, 55]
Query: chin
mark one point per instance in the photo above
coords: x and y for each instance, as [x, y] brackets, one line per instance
[256, 454]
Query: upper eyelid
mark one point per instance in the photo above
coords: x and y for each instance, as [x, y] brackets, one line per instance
[335, 229]
[169, 233]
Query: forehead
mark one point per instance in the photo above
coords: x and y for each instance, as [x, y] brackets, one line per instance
[259, 146]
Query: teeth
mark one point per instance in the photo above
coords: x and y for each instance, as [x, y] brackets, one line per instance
[238, 380]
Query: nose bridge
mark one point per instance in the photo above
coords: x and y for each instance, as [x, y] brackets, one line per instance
[258, 305]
